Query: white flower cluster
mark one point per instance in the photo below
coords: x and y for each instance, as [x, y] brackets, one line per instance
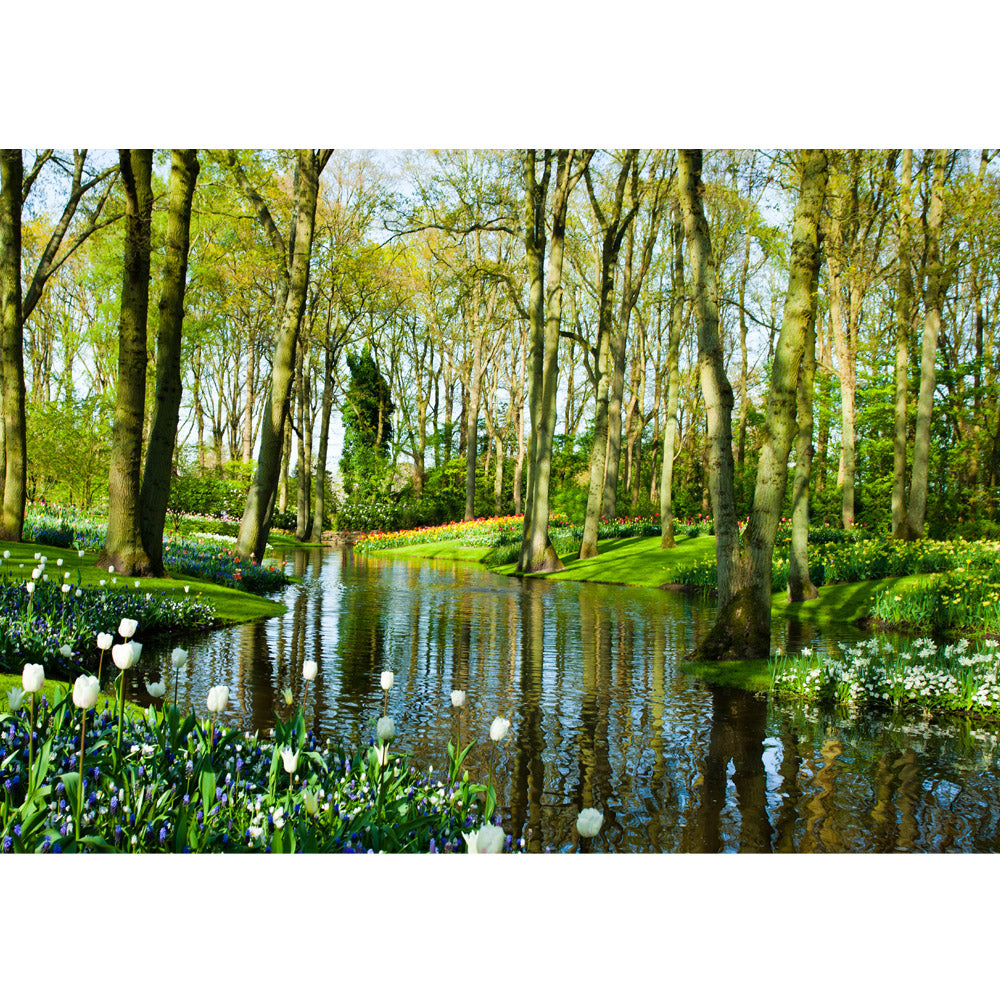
[956, 677]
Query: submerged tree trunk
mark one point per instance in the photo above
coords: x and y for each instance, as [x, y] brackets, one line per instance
[11, 318]
[742, 628]
[715, 387]
[800, 585]
[933, 295]
[256, 520]
[123, 548]
[904, 300]
[667, 540]
[155, 493]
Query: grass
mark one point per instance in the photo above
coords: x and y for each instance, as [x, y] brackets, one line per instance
[55, 691]
[231, 606]
[439, 550]
[631, 562]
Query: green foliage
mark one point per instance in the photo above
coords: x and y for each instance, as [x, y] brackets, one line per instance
[208, 493]
[69, 450]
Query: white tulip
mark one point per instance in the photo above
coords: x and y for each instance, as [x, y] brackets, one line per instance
[65, 651]
[310, 669]
[85, 692]
[311, 801]
[486, 840]
[156, 689]
[382, 754]
[186, 588]
[104, 640]
[385, 729]
[111, 569]
[588, 823]
[79, 592]
[218, 698]
[127, 627]
[457, 699]
[65, 576]
[289, 759]
[386, 680]
[137, 584]
[14, 698]
[59, 562]
[80, 552]
[38, 556]
[122, 655]
[36, 573]
[499, 729]
[30, 586]
[6, 553]
[66, 588]
[179, 657]
[288, 695]
[32, 677]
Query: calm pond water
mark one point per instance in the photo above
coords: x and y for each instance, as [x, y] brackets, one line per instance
[602, 713]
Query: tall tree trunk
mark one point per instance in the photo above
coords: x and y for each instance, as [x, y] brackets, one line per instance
[472, 427]
[155, 492]
[15, 438]
[933, 296]
[715, 387]
[326, 407]
[800, 585]
[904, 301]
[286, 458]
[741, 440]
[303, 479]
[256, 520]
[248, 405]
[519, 430]
[537, 552]
[124, 549]
[667, 540]
[199, 409]
[612, 234]
[742, 628]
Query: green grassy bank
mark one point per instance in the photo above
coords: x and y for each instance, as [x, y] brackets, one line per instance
[230, 606]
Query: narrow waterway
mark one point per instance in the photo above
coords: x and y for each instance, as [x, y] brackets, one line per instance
[602, 713]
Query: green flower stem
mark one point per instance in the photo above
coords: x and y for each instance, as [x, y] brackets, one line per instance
[83, 730]
[121, 706]
[31, 735]
[100, 662]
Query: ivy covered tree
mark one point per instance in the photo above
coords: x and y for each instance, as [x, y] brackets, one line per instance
[364, 462]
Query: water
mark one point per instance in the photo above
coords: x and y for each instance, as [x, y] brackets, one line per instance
[603, 713]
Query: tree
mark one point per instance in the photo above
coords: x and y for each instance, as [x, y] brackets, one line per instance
[367, 415]
[934, 286]
[256, 521]
[612, 230]
[155, 490]
[17, 307]
[742, 627]
[123, 548]
[11, 327]
[537, 554]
